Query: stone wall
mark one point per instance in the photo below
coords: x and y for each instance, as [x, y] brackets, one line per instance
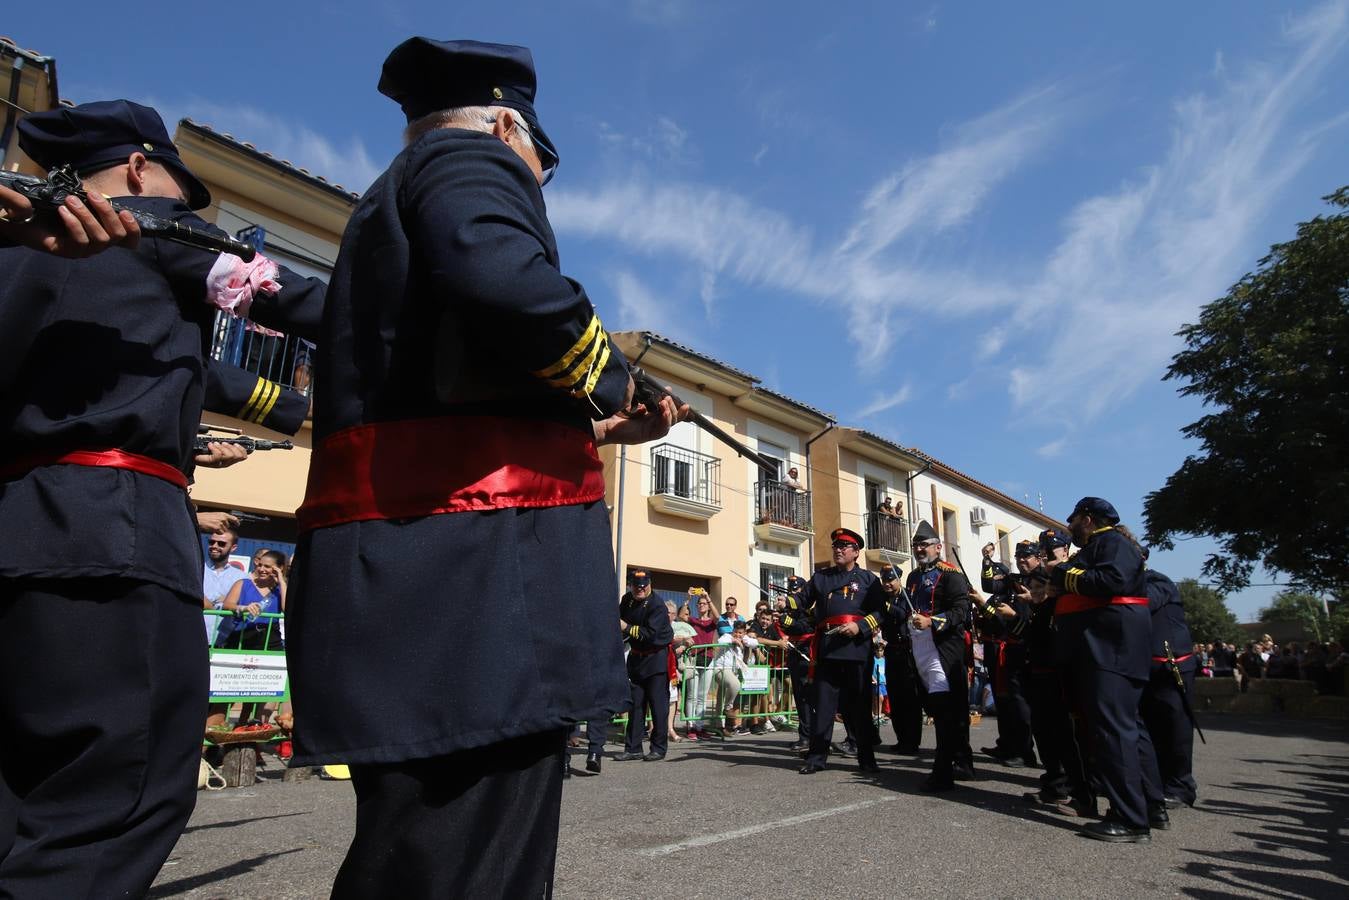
[1268, 696]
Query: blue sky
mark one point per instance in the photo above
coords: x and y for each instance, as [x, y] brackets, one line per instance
[970, 227]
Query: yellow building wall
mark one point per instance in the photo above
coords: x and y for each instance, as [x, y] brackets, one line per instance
[271, 482]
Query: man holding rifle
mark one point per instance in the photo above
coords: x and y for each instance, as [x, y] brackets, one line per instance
[456, 498]
[102, 652]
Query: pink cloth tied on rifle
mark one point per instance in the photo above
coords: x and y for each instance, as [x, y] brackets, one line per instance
[231, 283]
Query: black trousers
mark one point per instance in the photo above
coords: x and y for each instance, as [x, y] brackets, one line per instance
[1065, 773]
[1015, 734]
[102, 692]
[597, 732]
[1120, 755]
[905, 694]
[950, 713]
[842, 686]
[650, 693]
[798, 668]
[478, 823]
[1172, 732]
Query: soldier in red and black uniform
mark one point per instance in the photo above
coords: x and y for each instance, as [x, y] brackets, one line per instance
[938, 621]
[903, 689]
[102, 382]
[796, 625]
[645, 622]
[1103, 645]
[455, 504]
[1002, 620]
[1166, 707]
[848, 606]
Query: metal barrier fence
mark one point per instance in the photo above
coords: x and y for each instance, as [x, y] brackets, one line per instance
[248, 659]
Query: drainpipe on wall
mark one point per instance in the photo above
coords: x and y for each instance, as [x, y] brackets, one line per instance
[810, 479]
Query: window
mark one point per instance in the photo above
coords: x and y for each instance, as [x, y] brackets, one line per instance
[773, 576]
[1005, 545]
[950, 532]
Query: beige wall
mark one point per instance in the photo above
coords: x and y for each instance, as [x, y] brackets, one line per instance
[271, 483]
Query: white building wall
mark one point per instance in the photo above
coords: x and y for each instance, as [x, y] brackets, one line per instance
[969, 537]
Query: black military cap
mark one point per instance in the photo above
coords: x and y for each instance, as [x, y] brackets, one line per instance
[924, 533]
[1054, 537]
[888, 573]
[1098, 509]
[639, 578]
[795, 582]
[1027, 548]
[846, 536]
[423, 75]
[95, 136]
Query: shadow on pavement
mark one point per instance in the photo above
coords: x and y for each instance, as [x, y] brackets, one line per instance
[238, 867]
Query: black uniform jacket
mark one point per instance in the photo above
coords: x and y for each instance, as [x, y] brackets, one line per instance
[1112, 637]
[943, 592]
[1168, 622]
[795, 620]
[836, 592]
[236, 392]
[1039, 635]
[108, 353]
[989, 580]
[447, 301]
[649, 634]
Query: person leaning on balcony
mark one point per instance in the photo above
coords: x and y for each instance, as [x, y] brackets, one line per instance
[792, 481]
[103, 385]
[456, 497]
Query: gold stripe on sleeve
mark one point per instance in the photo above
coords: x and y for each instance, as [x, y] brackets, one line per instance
[581, 344]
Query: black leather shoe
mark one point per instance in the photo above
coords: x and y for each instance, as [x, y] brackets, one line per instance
[1011, 762]
[810, 769]
[868, 766]
[1157, 816]
[593, 763]
[844, 749]
[1116, 832]
[654, 757]
[935, 785]
[1173, 802]
[626, 756]
[997, 754]
[800, 746]
[963, 773]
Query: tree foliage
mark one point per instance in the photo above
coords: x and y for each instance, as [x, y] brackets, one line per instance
[1207, 614]
[1271, 361]
[1305, 609]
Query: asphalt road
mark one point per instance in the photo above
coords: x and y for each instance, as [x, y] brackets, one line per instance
[735, 820]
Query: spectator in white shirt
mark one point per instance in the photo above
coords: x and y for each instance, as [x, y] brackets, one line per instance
[727, 668]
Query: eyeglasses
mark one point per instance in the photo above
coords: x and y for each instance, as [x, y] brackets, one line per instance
[923, 545]
[548, 160]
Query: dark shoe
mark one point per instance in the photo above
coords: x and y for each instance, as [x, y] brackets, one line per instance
[1039, 798]
[800, 746]
[627, 757]
[868, 766]
[1174, 802]
[654, 757]
[593, 763]
[963, 773]
[810, 769]
[844, 749]
[1116, 833]
[1075, 808]
[999, 755]
[935, 785]
[1011, 762]
[1157, 816]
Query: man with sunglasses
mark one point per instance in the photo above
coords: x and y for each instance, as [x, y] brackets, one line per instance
[938, 620]
[848, 606]
[456, 498]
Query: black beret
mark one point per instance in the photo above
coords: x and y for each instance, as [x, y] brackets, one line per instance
[1098, 509]
[94, 136]
[423, 75]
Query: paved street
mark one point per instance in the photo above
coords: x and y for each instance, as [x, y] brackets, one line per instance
[735, 820]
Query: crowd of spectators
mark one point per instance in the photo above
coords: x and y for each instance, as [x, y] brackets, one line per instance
[1322, 663]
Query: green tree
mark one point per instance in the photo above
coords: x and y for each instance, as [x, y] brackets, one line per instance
[1271, 361]
[1207, 614]
[1305, 609]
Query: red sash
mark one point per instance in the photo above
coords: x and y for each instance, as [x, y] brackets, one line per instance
[821, 629]
[1179, 659]
[115, 459]
[422, 467]
[1067, 604]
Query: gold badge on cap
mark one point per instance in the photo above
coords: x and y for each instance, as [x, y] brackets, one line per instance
[149, 148]
[496, 92]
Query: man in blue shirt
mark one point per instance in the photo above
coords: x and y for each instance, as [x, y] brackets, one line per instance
[218, 576]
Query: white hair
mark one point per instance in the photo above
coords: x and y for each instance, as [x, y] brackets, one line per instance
[472, 118]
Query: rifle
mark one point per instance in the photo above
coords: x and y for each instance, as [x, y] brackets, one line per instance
[50, 193]
[649, 392]
[248, 443]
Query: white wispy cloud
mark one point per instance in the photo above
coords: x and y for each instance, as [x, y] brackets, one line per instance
[347, 162]
[882, 402]
[639, 308]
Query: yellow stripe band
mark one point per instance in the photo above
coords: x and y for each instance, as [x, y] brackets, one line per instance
[596, 369]
[581, 344]
[266, 409]
[257, 389]
[583, 365]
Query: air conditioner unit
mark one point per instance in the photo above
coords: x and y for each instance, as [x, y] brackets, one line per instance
[978, 517]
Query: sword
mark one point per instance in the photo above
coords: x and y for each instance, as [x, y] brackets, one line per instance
[1184, 694]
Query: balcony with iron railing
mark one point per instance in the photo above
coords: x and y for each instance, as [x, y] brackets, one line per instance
[781, 513]
[283, 358]
[684, 482]
[887, 538]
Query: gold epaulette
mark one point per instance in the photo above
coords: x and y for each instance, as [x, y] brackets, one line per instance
[946, 566]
